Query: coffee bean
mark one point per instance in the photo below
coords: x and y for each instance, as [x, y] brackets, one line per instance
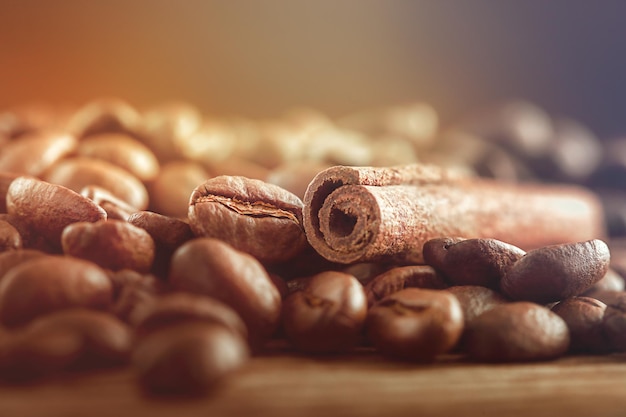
[399, 278]
[327, 315]
[104, 115]
[415, 324]
[80, 172]
[188, 359]
[46, 209]
[10, 238]
[584, 318]
[170, 190]
[516, 332]
[112, 244]
[475, 300]
[177, 308]
[115, 208]
[132, 291]
[614, 322]
[50, 283]
[214, 268]
[13, 258]
[556, 272]
[256, 217]
[480, 262]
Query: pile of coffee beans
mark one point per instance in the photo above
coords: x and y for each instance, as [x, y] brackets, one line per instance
[172, 242]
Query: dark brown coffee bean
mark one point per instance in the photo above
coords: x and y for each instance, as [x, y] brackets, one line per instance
[515, 332]
[214, 268]
[399, 278]
[46, 209]
[327, 315]
[106, 340]
[188, 359]
[614, 322]
[80, 172]
[51, 283]
[415, 324]
[472, 261]
[112, 244]
[175, 309]
[10, 238]
[168, 234]
[584, 317]
[259, 218]
[557, 272]
[475, 300]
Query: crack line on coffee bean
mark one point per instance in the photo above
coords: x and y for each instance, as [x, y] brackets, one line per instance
[256, 209]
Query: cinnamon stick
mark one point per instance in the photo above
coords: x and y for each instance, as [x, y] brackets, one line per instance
[365, 214]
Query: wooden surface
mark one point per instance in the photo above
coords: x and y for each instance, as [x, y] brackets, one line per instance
[361, 384]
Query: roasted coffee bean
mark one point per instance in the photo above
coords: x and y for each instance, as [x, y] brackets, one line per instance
[115, 208]
[328, 315]
[6, 178]
[557, 272]
[214, 268]
[132, 291]
[584, 317]
[295, 177]
[10, 238]
[106, 340]
[253, 216]
[35, 153]
[32, 354]
[80, 172]
[475, 300]
[168, 234]
[472, 261]
[399, 278]
[112, 244]
[415, 324]
[611, 281]
[50, 283]
[170, 190]
[13, 258]
[46, 209]
[104, 115]
[123, 151]
[280, 284]
[178, 308]
[188, 359]
[516, 332]
[614, 322]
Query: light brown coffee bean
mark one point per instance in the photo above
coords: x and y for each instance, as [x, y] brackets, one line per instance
[415, 324]
[115, 208]
[516, 332]
[178, 308]
[328, 315]
[557, 272]
[475, 300]
[123, 151]
[170, 190]
[104, 115]
[46, 209]
[188, 359]
[472, 261]
[35, 153]
[80, 172]
[10, 238]
[399, 278]
[112, 244]
[584, 317]
[50, 283]
[106, 340]
[253, 216]
[13, 258]
[214, 268]
[295, 177]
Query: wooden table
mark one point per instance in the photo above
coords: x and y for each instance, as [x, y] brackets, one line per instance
[360, 385]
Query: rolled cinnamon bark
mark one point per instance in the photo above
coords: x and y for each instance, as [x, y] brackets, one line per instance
[364, 214]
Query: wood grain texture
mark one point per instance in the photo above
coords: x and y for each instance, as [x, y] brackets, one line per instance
[361, 384]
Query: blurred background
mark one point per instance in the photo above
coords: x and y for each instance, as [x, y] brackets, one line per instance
[259, 57]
